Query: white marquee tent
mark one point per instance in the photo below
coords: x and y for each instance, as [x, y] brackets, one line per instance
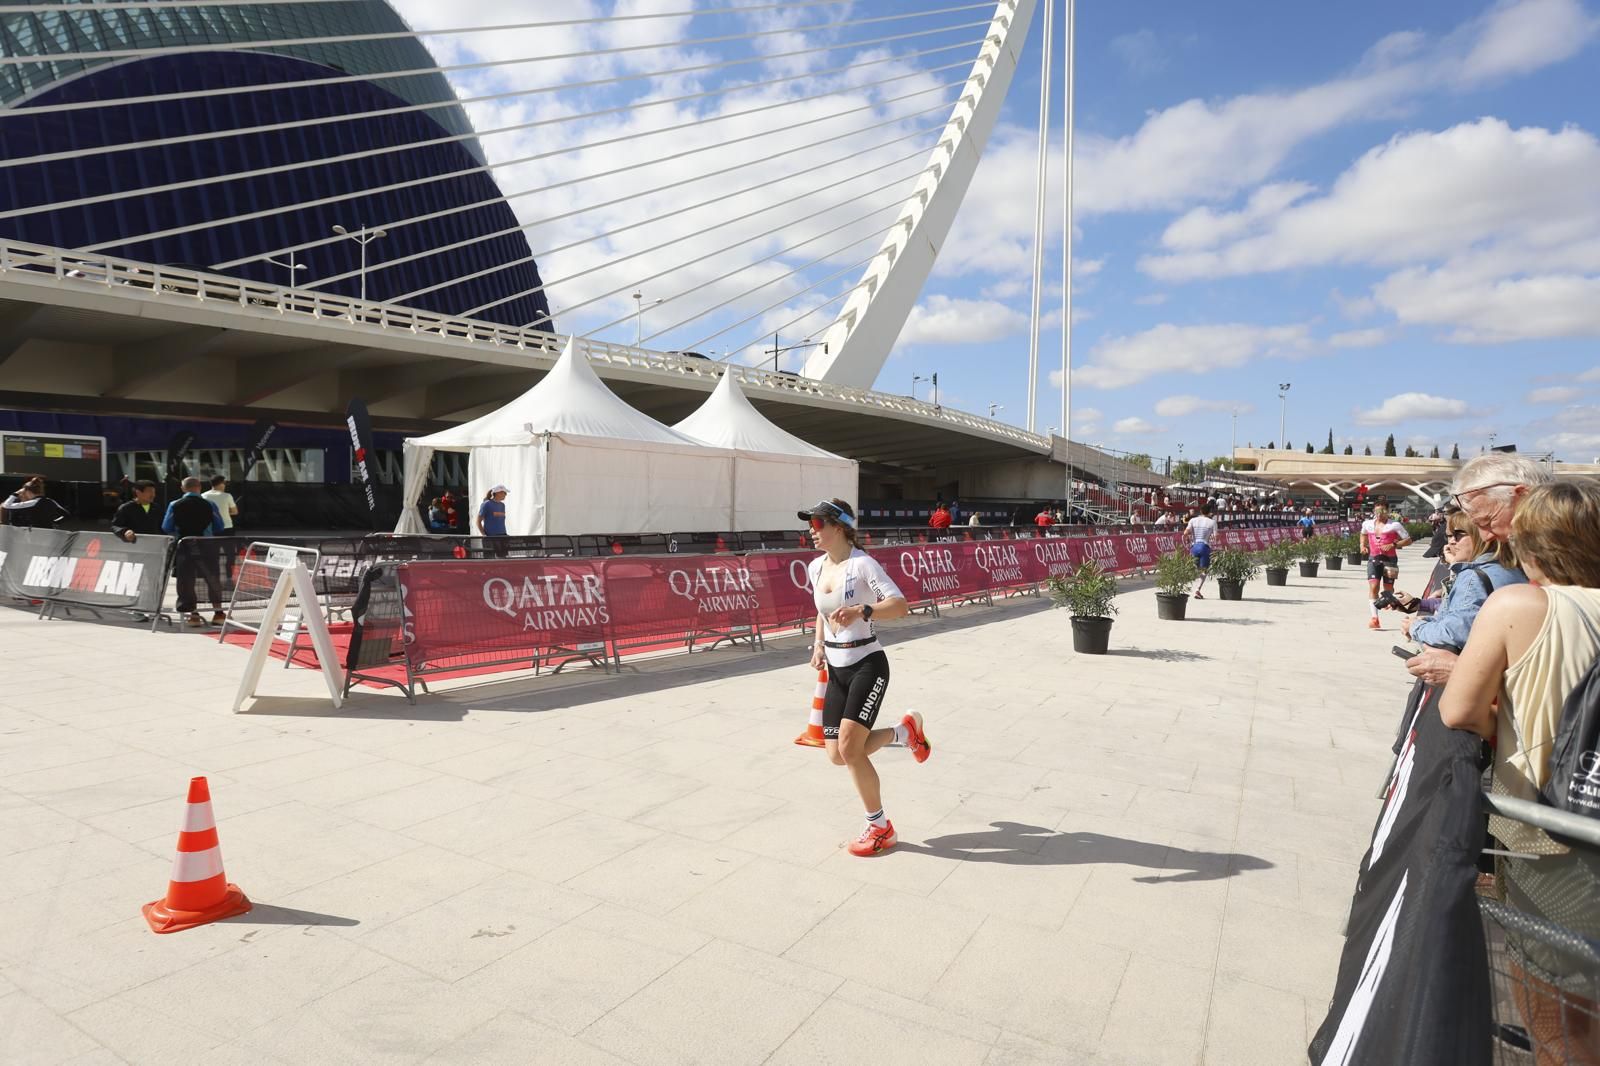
[775, 473]
[577, 459]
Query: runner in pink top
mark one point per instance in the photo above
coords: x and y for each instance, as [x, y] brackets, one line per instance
[1381, 538]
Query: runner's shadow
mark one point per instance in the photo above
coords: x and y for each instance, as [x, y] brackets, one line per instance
[1231, 621]
[1015, 844]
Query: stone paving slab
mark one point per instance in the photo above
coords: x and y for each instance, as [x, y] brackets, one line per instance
[1138, 858]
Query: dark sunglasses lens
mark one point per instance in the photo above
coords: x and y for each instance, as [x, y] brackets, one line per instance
[1458, 534]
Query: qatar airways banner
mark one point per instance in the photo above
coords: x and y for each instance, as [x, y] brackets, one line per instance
[468, 607]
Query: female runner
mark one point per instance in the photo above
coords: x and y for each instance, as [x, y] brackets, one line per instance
[852, 590]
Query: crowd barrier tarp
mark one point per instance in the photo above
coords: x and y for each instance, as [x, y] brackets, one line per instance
[95, 570]
[477, 608]
[1413, 983]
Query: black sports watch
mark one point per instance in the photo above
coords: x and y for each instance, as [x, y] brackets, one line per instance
[866, 611]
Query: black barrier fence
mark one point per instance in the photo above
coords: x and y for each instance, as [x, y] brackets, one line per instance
[94, 571]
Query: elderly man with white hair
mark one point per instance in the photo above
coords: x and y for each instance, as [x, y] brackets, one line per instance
[1489, 489]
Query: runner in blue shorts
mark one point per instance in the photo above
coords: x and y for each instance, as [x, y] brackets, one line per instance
[1201, 531]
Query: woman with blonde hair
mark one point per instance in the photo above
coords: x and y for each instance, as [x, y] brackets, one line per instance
[1530, 647]
[1477, 568]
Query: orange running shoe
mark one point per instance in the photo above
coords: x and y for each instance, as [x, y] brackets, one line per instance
[874, 841]
[1373, 623]
[916, 739]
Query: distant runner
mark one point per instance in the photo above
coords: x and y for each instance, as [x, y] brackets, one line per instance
[1381, 538]
[851, 590]
[1201, 531]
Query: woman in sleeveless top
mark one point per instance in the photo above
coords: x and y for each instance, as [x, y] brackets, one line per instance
[1530, 647]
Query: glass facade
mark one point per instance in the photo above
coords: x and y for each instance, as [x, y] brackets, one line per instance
[276, 221]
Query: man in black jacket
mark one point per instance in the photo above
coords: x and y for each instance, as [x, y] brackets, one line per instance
[138, 517]
[192, 515]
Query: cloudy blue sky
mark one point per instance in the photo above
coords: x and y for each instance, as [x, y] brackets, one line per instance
[1392, 207]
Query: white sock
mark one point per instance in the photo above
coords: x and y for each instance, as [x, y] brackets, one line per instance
[901, 736]
[1372, 605]
[878, 818]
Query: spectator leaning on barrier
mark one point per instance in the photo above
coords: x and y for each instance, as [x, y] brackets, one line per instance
[940, 519]
[1531, 647]
[492, 518]
[224, 502]
[1044, 519]
[438, 521]
[29, 507]
[1476, 571]
[974, 520]
[138, 517]
[1489, 489]
[192, 515]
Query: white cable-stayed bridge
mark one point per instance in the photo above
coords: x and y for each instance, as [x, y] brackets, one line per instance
[211, 208]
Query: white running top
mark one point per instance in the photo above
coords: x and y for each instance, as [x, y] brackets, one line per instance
[857, 580]
[1201, 529]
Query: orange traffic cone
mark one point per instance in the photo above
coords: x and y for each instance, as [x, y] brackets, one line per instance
[812, 737]
[199, 891]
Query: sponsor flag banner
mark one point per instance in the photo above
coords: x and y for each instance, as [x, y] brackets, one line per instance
[83, 569]
[177, 452]
[1413, 984]
[360, 426]
[260, 434]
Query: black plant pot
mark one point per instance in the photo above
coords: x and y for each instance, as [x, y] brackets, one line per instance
[1091, 636]
[1277, 575]
[1354, 558]
[1229, 589]
[1308, 569]
[1171, 605]
[1334, 562]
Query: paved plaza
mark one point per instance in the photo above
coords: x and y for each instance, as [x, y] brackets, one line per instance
[1137, 858]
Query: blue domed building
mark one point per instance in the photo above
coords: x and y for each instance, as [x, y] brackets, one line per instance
[257, 87]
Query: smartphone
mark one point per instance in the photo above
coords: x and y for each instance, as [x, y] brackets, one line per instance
[1403, 653]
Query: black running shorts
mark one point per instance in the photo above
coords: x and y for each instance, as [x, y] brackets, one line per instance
[1383, 567]
[855, 693]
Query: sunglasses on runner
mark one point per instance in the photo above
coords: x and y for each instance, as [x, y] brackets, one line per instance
[826, 511]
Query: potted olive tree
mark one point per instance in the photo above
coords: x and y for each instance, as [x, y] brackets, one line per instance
[1332, 552]
[1278, 558]
[1176, 573]
[1232, 568]
[1090, 597]
[1352, 549]
[1309, 552]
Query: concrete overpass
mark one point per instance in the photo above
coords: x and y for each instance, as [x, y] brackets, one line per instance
[97, 334]
[1338, 474]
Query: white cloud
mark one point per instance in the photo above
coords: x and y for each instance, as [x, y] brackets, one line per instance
[1179, 406]
[1496, 232]
[1359, 338]
[1518, 38]
[955, 320]
[1592, 374]
[1133, 427]
[1410, 406]
[1168, 349]
[1151, 299]
[1202, 150]
[1355, 308]
[1553, 394]
[1141, 52]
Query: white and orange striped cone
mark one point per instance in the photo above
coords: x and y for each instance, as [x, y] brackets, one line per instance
[812, 737]
[199, 891]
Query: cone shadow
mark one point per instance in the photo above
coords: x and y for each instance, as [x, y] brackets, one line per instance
[267, 914]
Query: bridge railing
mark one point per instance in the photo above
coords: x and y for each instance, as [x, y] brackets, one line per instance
[164, 282]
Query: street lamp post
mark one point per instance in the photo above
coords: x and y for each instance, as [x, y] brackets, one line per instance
[638, 317]
[914, 379]
[1233, 443]
[363, 237]
[291, 266]
[996, 407]
[1283, 409]
[807, 343]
